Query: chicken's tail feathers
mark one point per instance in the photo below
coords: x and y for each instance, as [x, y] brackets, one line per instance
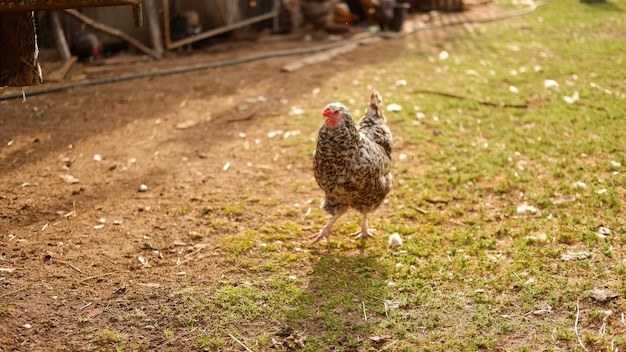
[376, 100]
[376, 105]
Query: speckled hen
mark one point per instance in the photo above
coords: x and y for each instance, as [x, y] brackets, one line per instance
[352, 163]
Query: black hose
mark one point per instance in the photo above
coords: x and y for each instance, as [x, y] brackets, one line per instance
[256, 57]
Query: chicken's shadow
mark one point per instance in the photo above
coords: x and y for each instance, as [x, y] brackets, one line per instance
[346, 297]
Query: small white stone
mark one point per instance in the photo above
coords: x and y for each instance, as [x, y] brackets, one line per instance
[97, 157]
[401, 82]
[143, 188]
[550, 83]
[394, 108]
[603, 231]
[525, 208]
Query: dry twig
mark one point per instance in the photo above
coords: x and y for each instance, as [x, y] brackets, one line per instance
[436, 200]
[13, 292]
[480, 101]
[388, 346]
[189, 260]
[241, 119]
[420, 210]
[576, 326]
[68, 264]
[174, 339]
[241, 343]
[94, 277]
[189, 257]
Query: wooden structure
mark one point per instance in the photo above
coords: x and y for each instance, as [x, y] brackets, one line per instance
[19, 61]
[223, 16]
[19, 56]
[19, 64]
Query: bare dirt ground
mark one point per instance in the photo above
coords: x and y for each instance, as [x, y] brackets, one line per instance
[73, 227]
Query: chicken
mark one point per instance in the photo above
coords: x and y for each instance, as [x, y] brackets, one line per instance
[184, 22]
[352, 163]
[85, 45]
[343, 15]
[382, 12]
[184, 25]
[319, 13]
[373, 11]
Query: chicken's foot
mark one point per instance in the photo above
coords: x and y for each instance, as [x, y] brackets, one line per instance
[325, 233]
[364, 232]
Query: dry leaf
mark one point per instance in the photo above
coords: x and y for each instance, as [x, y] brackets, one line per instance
[602, 295]
[69, 179]
[94, 313]
[381, 338]
[546, 310]
[186, 124]
[575, 256]
[525, 208]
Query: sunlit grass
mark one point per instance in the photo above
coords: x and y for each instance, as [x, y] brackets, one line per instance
[477, 270]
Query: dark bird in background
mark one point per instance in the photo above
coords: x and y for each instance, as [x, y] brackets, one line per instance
[352, 163]
[318, 13]
[85, 45]
[184, 25]
[381, 12]
[378, 12]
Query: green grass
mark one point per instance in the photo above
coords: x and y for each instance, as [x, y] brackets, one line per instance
[473, 273]
[6, 311]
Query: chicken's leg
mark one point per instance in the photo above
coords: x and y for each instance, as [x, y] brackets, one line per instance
[364, 232]
[326, 231]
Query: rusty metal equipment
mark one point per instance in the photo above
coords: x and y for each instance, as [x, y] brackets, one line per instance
[250, 12]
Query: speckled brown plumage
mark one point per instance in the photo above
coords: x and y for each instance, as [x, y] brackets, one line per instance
[352, 163]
